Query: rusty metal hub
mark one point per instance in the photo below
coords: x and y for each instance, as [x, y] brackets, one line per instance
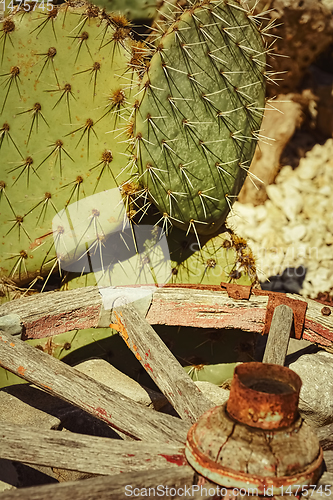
[264, 395]
[257, 439]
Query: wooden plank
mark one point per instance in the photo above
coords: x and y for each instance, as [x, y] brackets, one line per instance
[328, 457]
[51, 313]
[47, 314]
[160, 363]
[320, 491]
[93, 454]
[118, 487]
[209, 308]
[63, 381]
[279, 334]
[325, 436]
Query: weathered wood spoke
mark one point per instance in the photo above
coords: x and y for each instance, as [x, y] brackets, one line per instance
[92, 454]
[158, 459]
[51, 313]
[63, 381]
[113, 487]
[160, 364]
[279, 334]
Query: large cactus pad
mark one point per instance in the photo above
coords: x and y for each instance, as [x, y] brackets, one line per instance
[200, 111]
[64, 79]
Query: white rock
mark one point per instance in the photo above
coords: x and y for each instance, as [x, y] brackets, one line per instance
[325, 190]
[285, 173]
[307, 170]
[275, 194]
[104, 372]
[293, 203]
[324, 253]
[295, 225]
[213, 392]
[294, 233]
[316, 397]
[261, 212]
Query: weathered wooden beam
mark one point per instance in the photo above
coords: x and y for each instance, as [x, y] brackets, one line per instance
[323, 489]
[47, 314]
[279, 335]
[212, 308]
[160, 363]
[63, 381]
[172, 483]
[93, 454]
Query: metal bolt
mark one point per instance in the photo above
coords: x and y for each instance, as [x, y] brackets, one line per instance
[326, 311]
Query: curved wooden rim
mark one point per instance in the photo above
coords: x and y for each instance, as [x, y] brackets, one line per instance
[200, 306]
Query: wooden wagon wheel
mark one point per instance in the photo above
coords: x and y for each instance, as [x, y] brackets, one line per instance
[155, 454]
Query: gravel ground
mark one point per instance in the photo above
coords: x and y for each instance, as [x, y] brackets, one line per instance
[294, 227]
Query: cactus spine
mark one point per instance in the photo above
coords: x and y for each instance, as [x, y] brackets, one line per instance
[65, 77]
[199, 115]
[72, 107]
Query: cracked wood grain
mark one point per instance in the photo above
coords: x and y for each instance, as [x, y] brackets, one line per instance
[113, 488]
[67, 383]
[92, 454]
[279, 334]
[50, 313]
[326, 490]
[160, 363]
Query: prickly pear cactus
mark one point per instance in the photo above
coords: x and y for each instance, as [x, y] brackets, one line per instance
[157, 259]
[224, 258]
[65, 76]
[199, 115]
[138, 11]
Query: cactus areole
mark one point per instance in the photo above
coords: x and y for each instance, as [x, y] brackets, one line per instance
[64, 92]
[199, 115]
[82, 113]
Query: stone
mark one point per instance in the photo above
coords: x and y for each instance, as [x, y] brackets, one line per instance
[316, 396]
[213, 392]
[275, 194]
[293, 202]
[296, 221]
[261, 213]
[8, 475]
[16, 408]
[294, 233]
[11, 324]
[104, 372]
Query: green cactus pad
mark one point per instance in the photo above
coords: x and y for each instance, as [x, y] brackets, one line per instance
[64, 105]
[138, 11]
[199, 116]
[158, 259]
[215, 374]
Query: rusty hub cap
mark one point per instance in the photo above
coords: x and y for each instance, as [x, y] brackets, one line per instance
[257, 439]
[264, 395]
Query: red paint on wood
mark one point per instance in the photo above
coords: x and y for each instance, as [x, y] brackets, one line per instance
[206, 316]
[175, 459]
[102, 412]
[148, 367]
[62, 322]
[313, 330]
[238, 292]
[21, 370]
[121, 329]
[194, 286]
[298, 307]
